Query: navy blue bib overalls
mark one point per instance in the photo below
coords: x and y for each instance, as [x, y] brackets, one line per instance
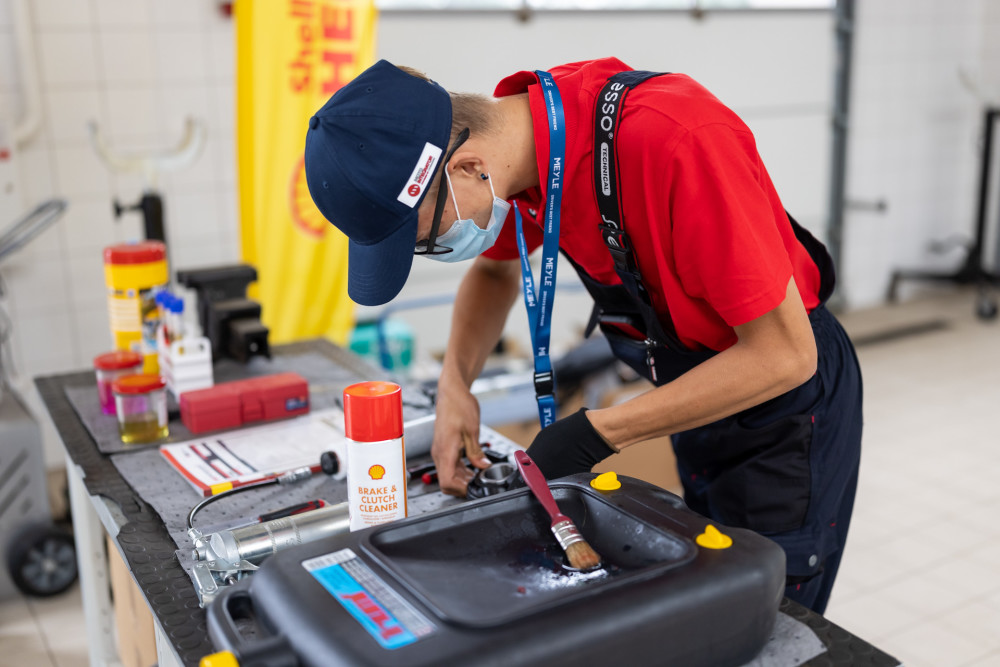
[787, 468]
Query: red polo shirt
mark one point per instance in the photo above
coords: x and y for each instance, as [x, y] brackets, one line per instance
[711, 237]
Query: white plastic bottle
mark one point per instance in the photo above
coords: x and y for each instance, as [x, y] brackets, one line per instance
[376, 458]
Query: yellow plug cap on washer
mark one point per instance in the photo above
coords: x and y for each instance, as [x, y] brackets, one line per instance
[607, 481]
[220, 659]
[713, 539]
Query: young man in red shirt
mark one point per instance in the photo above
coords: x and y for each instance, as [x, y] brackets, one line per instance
[655, 193]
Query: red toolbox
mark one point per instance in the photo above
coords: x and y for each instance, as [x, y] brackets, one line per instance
[233, 404]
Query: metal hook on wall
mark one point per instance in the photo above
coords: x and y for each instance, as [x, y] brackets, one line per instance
[151, 163]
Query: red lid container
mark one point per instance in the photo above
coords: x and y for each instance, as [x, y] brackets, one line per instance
[137, 384]
[118, 360]
[135, 253]
[373, 411]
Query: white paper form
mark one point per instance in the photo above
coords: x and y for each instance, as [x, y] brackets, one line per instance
[252, 454]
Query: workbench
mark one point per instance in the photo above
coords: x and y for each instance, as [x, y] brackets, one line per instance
[103, 503]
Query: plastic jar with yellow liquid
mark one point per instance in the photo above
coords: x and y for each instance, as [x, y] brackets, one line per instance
[134, 273]
[141, 404]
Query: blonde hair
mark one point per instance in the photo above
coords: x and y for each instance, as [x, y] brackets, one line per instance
[468, 110]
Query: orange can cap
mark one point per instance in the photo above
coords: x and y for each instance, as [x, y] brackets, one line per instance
[373, 411]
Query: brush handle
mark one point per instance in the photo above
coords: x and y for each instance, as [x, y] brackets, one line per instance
[535, 480]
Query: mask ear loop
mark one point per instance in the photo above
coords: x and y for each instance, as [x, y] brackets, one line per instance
[458, 216]
[430, 247]
[489, 180]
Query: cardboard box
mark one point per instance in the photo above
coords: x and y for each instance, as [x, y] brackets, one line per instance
[133, 620]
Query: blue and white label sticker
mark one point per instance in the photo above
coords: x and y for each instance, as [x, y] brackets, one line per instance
[296, 403]
[380, 610]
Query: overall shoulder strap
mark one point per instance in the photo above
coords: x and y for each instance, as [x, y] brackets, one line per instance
[607, 119]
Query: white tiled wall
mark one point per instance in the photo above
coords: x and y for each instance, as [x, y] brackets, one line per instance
[138, 68]
[915, 135]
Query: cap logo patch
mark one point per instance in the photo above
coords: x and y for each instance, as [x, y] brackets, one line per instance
[421, 176]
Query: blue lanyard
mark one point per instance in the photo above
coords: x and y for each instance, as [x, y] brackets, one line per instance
[538, 302]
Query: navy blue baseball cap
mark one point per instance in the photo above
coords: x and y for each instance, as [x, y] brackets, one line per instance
[371, 153]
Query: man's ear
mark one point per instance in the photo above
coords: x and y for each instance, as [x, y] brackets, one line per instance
[467, 163]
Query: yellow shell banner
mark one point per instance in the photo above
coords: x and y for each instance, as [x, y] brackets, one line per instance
[291, 55]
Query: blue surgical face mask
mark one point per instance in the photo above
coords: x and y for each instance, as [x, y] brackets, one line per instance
[467, 239]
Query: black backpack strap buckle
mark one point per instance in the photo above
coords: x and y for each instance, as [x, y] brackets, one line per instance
[545, 384]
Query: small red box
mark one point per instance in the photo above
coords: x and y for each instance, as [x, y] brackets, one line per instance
[233, 404]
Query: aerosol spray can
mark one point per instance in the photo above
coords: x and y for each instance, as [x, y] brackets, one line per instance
[376, 459]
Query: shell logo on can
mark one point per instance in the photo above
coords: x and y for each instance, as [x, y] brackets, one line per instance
[376, 472]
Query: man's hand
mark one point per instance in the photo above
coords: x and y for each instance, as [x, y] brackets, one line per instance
[456, 428]
[487, 291]
[568, 446]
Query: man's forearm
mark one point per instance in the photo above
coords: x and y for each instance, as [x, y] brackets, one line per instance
[775, 353]
[483, 300]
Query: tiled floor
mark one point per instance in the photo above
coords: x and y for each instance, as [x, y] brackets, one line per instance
[43, 632]
[921, 574]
